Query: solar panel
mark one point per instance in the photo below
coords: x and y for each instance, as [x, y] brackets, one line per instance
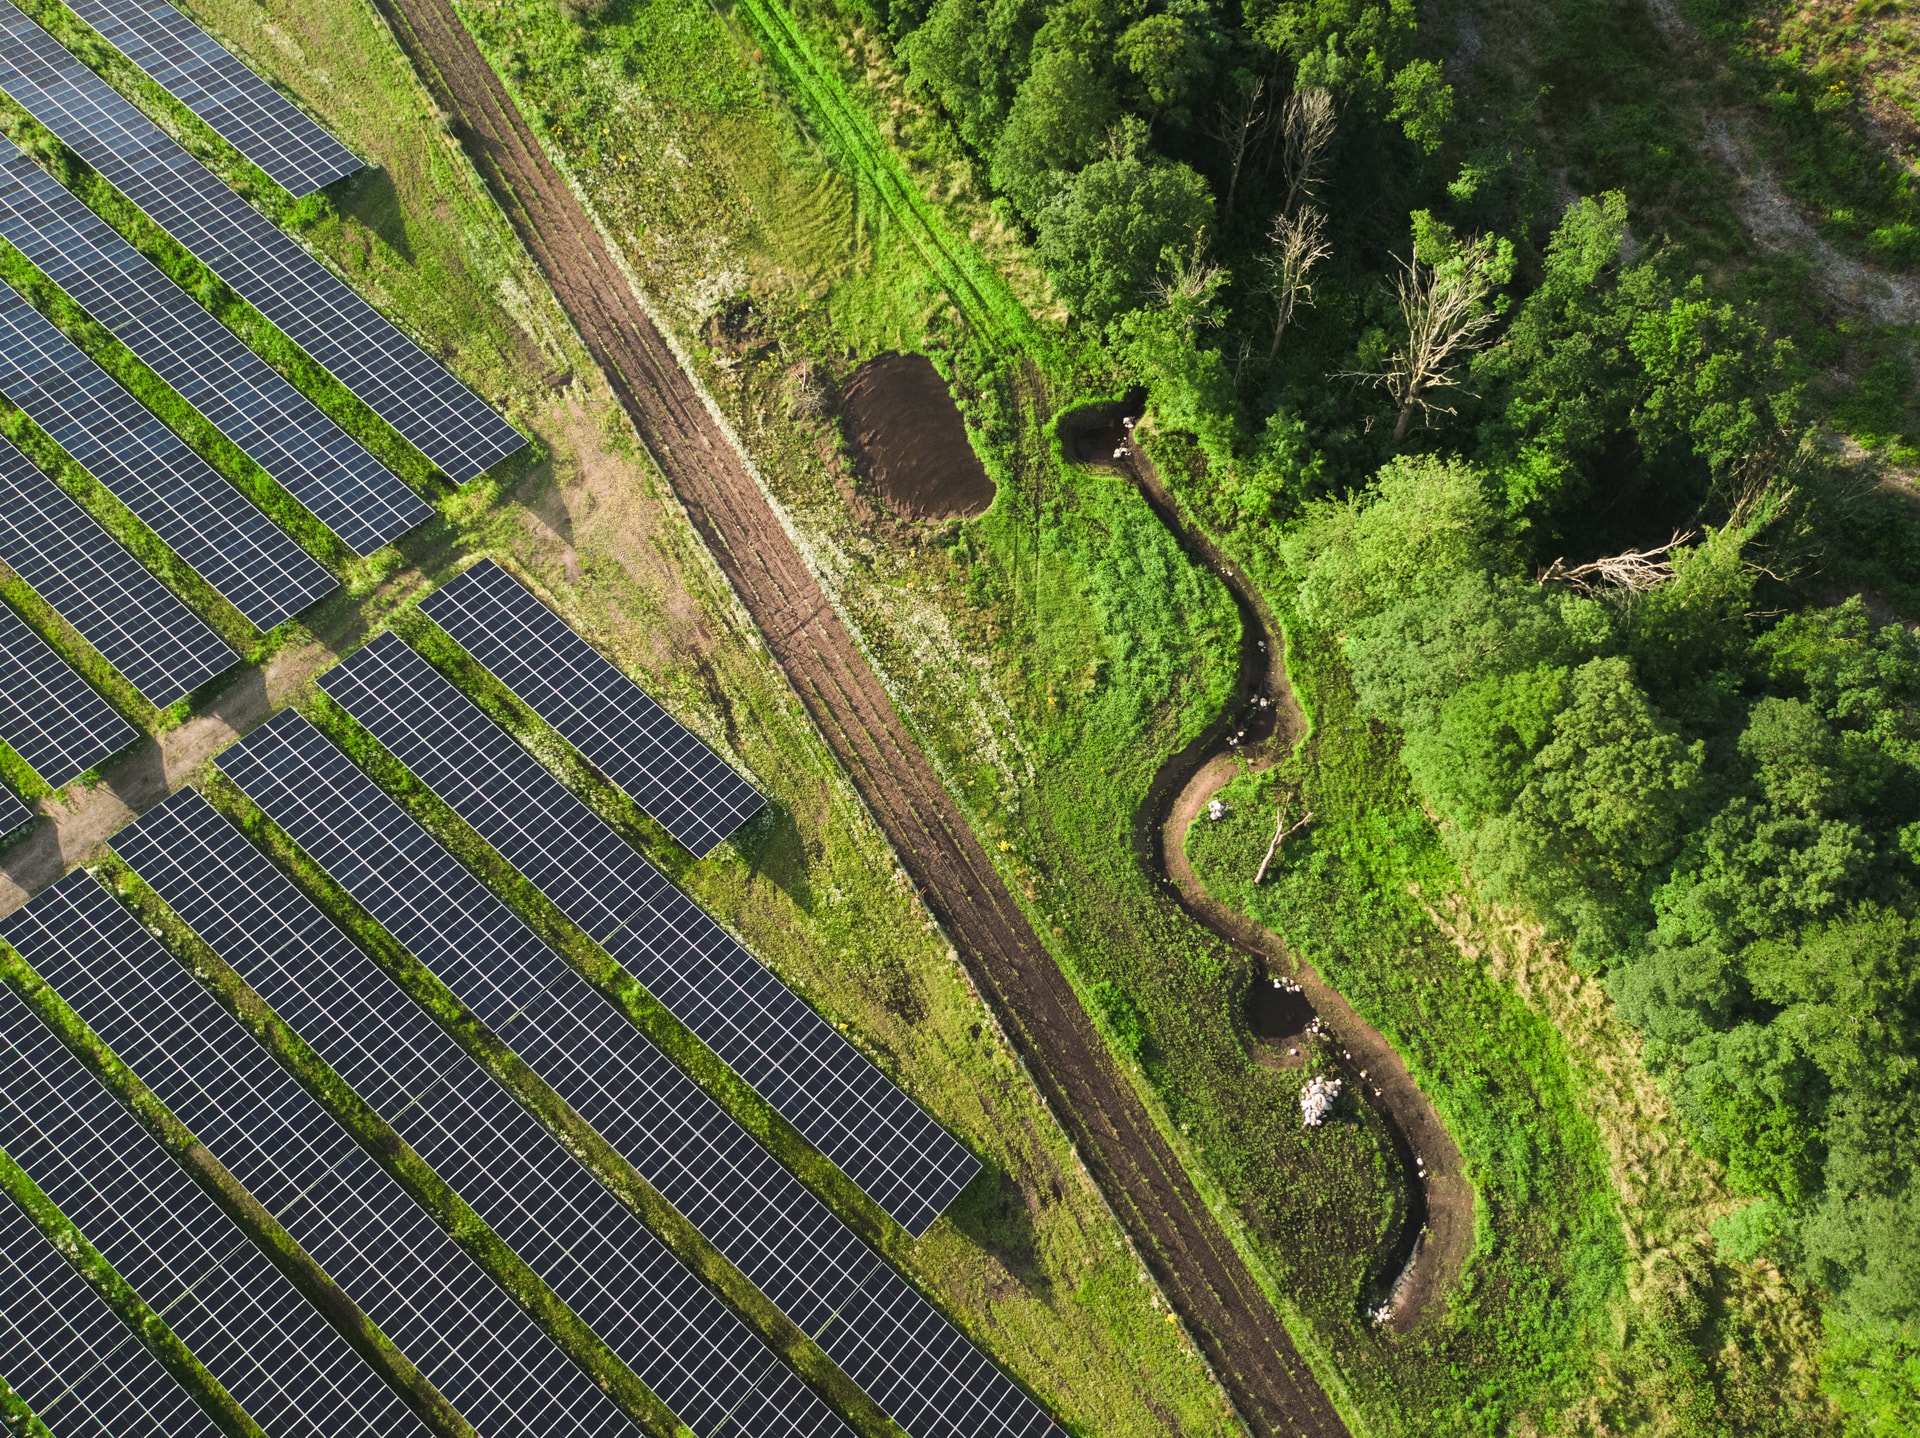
[696, 1356]
[884, 1335]
[811, 1075]
[342, 332]
[198, 515]
[653, 758]
[240, 394]
[173, 1246]
[49, 715]
[163, 648]
[461, 1329]
[70, 1359]
[236, 104]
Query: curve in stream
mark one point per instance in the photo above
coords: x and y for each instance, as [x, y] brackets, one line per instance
[1260, 726]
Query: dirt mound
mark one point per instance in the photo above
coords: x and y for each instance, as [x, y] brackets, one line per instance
[911, 442]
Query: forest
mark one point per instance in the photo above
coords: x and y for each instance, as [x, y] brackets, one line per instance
[1605, 506]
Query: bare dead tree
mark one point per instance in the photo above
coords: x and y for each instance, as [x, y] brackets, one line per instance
[1447, 315]
[1299, 242]
[1241, 122]
[1189, 286]
[1633, 571]
[1306, 129]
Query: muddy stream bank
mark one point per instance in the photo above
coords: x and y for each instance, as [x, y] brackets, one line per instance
[1285, 995]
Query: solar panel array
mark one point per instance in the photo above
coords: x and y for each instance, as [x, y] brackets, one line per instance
[173, 1246]
[653, 758]
[882, 1333]
[460, 1328]
[70, 1359]
[284, 432]
[236, 104]
[342, 332]
[147, 467]
[49, 715]
[14, 815]
[163, 648]
[793, 1058]
[696, 1356]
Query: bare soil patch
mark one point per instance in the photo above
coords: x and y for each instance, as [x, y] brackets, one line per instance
[1169, 1222]
[912, 444]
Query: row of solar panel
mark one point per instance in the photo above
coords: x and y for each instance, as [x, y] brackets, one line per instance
[146, 633]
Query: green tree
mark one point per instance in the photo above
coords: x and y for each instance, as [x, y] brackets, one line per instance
[1116, 226]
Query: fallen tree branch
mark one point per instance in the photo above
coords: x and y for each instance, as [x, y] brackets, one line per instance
[1281, 833]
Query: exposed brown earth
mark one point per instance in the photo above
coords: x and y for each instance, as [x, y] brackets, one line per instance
[911, 441]
[1229, 1317]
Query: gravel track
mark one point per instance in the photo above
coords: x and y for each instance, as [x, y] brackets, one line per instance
[1224, 1309]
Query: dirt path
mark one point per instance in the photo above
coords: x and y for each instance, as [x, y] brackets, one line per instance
[1224, 1309]
[82, 820]
[1265, 736]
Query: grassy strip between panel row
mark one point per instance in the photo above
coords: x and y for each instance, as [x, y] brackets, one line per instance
[65, 640]
[16, 1418]
[127, 1305]
[720, 1083]
[183, 419]
[206, 1171]
[379, 1139]
[126, 527]
[234, 1200]
[580, 1139]
[260, 334]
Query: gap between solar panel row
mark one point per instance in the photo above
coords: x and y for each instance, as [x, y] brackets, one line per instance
[137, 624]
[208, 365]
[883, 1334]
[236, 104]
[248, 559]
[173, 1246]
[695, 1355]
[649, 755]
[69, 1357]
[344, 334]
[428, 1295]
[793, 1058]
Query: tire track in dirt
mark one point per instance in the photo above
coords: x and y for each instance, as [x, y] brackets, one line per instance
[1188, 1250]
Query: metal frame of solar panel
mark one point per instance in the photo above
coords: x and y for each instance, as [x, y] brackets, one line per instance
[648, 754]
[163, 648]
[682, 1342]
[248, 559]
[344, 334]
[49, 715]
[883, 1334]
[269, 1348]
[808, 1071]
[70, 1359]
[237, 105]
[461, 1329]
[241, 395]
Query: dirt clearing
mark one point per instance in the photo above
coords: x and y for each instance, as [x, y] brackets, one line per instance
[911, 442]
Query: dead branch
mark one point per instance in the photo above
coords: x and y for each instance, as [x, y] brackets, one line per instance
[1240, 127]
[1281, 833]
[1299, 243]
[1633, 571]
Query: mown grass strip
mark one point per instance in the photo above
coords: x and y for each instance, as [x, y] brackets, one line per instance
[976, 288]
[259, 333]
[138, 379]
[235, 1201]
[16, 1418]
[374, 1134]
[66, 641]
[554, 1113]
[119, 1296]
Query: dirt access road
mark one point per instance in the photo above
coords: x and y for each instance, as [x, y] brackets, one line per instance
[1224, 1309]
